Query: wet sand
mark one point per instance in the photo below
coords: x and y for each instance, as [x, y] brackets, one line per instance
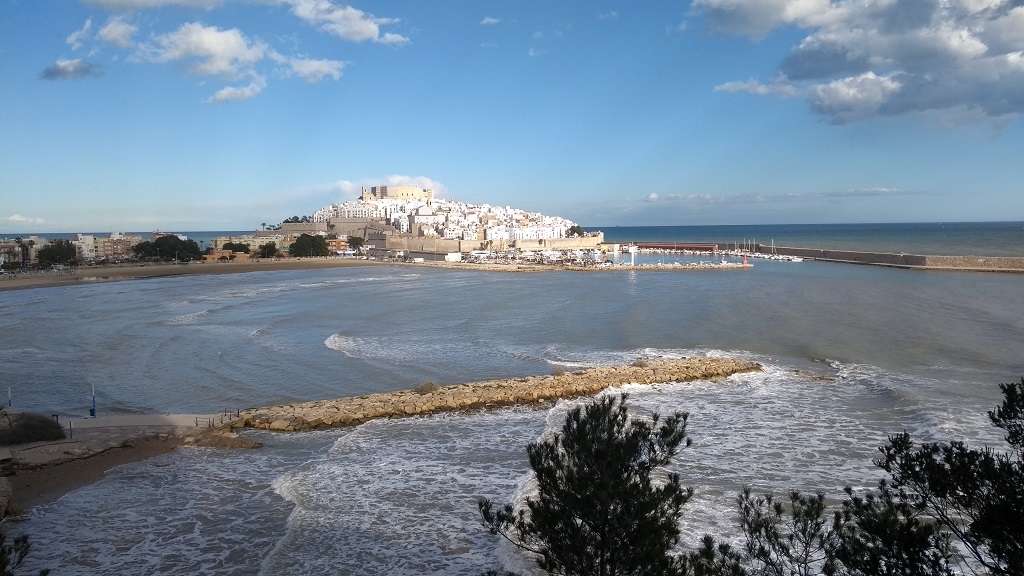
[42, 472]
[47, 482]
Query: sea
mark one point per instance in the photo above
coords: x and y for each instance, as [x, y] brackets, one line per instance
[851, 355]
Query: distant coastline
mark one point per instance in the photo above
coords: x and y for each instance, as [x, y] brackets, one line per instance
[85, 275]
[959, 246]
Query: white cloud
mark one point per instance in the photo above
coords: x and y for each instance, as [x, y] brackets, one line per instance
[853, 98]
[233, 94]
[75, 38]
[70, 69]
[24, 220]
[610, 15]
[227, 53]
[535, 52]
[789, 197]
[865, 58]
[219, 52]
[316, 70]
[489, 21]
[118, 32]
[345, 22]
[780, 86]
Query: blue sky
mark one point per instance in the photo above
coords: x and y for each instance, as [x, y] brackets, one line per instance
[191, 115]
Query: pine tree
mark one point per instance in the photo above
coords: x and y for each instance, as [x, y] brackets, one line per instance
[605, 506]
[974, 494]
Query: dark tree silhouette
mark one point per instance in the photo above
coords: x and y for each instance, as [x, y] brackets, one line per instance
[604, 505]
[57, 252]
[975, 494]
[306, 245]
[268, 250]
[13, 553]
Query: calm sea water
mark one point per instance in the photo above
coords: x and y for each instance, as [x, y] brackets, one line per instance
[952, 238]
[851, 354]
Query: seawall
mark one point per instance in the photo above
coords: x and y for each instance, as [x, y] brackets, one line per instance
[971, 263]
[492, 393]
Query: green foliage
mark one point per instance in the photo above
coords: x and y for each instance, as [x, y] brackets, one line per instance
[236, 247]
[297, 220]
[167, 249]
[24, 427]
[268, 250]
[1010, 415]
[974, 494]
[356, 242]
[713, 559]
[57, 252]
[883, 533]
[784, 540]
[598, 509]
[938, 493]
[575, 230]
[12, 554]
[307, 245]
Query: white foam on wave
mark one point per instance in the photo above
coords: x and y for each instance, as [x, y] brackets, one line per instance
[185, 319]
[242, 291]
[775, 431]
[193, 511]
[399, 496]
[409, 349]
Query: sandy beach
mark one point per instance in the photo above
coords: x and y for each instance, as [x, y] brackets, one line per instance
[91, 274]
[42, 472]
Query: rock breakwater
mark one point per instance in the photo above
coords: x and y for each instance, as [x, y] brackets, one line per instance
[492, 393]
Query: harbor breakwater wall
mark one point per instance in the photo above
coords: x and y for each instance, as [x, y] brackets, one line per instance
[324, 414]
[986, 263]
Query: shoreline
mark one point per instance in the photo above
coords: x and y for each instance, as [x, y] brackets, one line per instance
[43, 472]
[87, 275]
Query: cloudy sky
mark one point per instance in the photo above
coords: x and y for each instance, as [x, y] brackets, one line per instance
[190, 115]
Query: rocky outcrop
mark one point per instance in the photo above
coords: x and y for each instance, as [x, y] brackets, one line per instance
[493, 393]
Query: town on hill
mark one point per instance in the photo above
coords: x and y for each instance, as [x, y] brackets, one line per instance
[386, 222]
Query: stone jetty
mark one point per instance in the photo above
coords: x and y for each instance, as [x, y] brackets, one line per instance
[428, 399]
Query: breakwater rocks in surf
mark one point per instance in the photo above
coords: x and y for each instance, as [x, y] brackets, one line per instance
[492, 393]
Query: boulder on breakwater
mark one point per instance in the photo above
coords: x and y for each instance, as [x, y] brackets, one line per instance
[324, 414]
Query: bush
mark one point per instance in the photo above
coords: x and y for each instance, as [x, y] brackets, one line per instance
[427, 387]
[559, 371]
[640, 363]
[24, 427]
